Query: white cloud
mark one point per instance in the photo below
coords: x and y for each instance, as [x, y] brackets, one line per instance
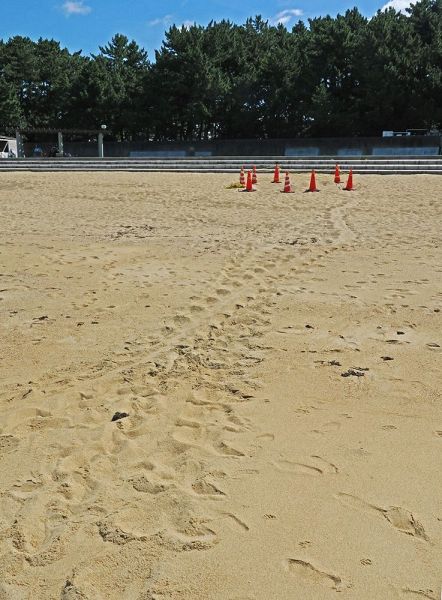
[75, 7]
[166, 20]
[285, 16]
[169, 20]
[399, 5]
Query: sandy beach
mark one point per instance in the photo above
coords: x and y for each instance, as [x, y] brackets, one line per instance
[209, 395]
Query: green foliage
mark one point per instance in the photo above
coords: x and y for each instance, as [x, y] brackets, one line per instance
[341, 76]
[10, 109]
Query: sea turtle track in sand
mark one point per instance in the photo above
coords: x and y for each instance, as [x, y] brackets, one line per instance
[180, 394]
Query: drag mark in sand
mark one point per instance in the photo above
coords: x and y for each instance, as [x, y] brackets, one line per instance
[288, 466]
[238, 521]
[321, 468]
[430, 594]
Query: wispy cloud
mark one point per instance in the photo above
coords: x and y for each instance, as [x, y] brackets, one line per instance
[166, 20]
[399, 5]
[75, 7]
[285, 16]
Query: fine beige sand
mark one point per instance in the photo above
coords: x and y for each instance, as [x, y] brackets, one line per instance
[279, 359]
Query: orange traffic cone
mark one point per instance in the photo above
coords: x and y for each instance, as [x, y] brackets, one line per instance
[337, 174]
[249, 187]
[287, 185]
[276, 174]
[349, 185]
[312, 187]
[254, 176]
[242, 178]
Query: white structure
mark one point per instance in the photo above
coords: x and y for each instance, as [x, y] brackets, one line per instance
[8, 147]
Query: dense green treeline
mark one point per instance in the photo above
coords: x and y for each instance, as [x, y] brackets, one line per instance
[343, 76]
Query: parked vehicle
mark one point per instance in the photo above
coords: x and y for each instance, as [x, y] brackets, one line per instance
[8, 147]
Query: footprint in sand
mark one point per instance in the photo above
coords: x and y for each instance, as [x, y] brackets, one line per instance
[71, 592]
[328, 427]
[181, 542]
[51, 550]
[7, 443]
[144, 485]
[195, 308]
[223, 291]
[401, 519]
[30, 485]
[181, 319]
[227, 450]
[326, 466]
[307, 571]
[114, 535]
[205, 488]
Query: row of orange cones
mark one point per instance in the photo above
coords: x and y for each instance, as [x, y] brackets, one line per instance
[252, 179]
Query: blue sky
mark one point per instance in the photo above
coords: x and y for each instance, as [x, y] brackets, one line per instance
[87, 24]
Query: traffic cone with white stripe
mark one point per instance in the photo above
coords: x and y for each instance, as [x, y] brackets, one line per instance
[242, 178]
[287, 185]
[254, 176]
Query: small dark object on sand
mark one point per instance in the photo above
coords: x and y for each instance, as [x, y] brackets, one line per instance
[387, 358]
[309, 326]
[119, 415]
[353, 372]
[400, 332]
[331, 363]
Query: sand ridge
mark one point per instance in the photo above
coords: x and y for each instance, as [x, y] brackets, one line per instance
[278, 358]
